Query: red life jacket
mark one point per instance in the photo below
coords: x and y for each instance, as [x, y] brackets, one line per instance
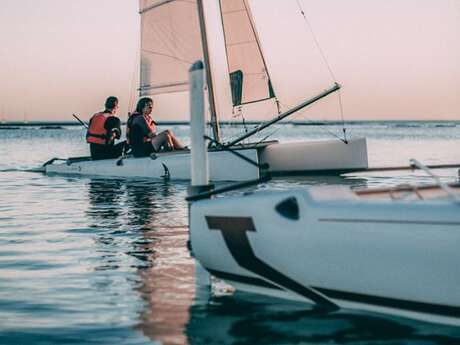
[96, 133]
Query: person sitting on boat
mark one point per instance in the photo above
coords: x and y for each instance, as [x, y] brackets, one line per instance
[104, 127]
[142, 135]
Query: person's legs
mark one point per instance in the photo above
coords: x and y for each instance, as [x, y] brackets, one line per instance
[159, 140]
[106, 151]
[117, 150]
[97, 151]
[172, 140]
[176, 143]
[142, 149]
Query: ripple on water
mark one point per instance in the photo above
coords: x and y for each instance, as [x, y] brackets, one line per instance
[97, 261]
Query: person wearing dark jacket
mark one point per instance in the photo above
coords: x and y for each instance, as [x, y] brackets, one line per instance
[142, 135]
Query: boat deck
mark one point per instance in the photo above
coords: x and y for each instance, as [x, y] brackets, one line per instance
[407, 191]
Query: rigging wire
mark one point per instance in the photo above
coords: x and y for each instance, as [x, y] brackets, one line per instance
[245, 125]
[341, 114]
[326, 63]
[322, 127]
[132, 87]
[332, 75]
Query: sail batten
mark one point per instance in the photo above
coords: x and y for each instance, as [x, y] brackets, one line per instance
[163, 88]
[153, 5]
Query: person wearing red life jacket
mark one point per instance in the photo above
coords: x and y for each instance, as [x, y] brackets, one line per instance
[142, 135]
[104, 127]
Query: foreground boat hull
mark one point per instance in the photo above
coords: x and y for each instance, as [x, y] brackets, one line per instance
[393, 257]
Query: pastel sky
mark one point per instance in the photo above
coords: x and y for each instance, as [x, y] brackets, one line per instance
[395, 59]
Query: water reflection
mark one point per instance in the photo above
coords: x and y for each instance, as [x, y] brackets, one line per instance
[105, 201]
[146, 202]
[147, 221]
[120, 213]
[168, 288]
[251, 319]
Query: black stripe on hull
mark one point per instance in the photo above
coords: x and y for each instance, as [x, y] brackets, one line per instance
[420, 307]
[388, 221]
[234, 231]
[393, 303]
[242, 279]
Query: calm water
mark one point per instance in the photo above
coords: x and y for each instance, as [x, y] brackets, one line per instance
[95, 261]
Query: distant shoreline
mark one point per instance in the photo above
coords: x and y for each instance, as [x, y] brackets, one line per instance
[58, 124]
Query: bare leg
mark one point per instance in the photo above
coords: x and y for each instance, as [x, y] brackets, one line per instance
[160, 140]
[166, 139]
[174, 141]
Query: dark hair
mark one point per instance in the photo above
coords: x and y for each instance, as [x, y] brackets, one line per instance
[141, 104]
[111, 102]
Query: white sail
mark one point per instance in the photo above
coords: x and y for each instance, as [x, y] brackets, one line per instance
[294, 60]
[170, 43]
[252, 58]
[245, 60]
[272, 60]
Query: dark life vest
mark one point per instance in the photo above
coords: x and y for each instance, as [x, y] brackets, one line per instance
[113, 124]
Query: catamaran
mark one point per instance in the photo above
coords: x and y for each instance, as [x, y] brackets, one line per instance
[224, 34]
[388, 250]
[392, 251]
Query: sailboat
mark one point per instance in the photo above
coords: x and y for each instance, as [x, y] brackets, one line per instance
[176, 33]
[388, 250]
[391, 251]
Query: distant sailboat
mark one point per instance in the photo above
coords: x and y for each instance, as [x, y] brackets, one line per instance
[223, 33]
[176, 33]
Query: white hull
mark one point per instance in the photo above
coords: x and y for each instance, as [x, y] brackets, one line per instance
[299, 157]
[224, 166]
[387, 256]
[288, 158]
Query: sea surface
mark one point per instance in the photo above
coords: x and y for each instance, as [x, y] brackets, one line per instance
[105, 261]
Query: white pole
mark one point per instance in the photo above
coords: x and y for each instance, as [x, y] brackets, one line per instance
[199, 166]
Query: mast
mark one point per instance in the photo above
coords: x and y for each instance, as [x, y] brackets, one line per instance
[204, 41]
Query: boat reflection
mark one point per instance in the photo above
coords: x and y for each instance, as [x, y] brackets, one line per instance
[105, 198]
[124, 216]
[147, 221]
[251, 319]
